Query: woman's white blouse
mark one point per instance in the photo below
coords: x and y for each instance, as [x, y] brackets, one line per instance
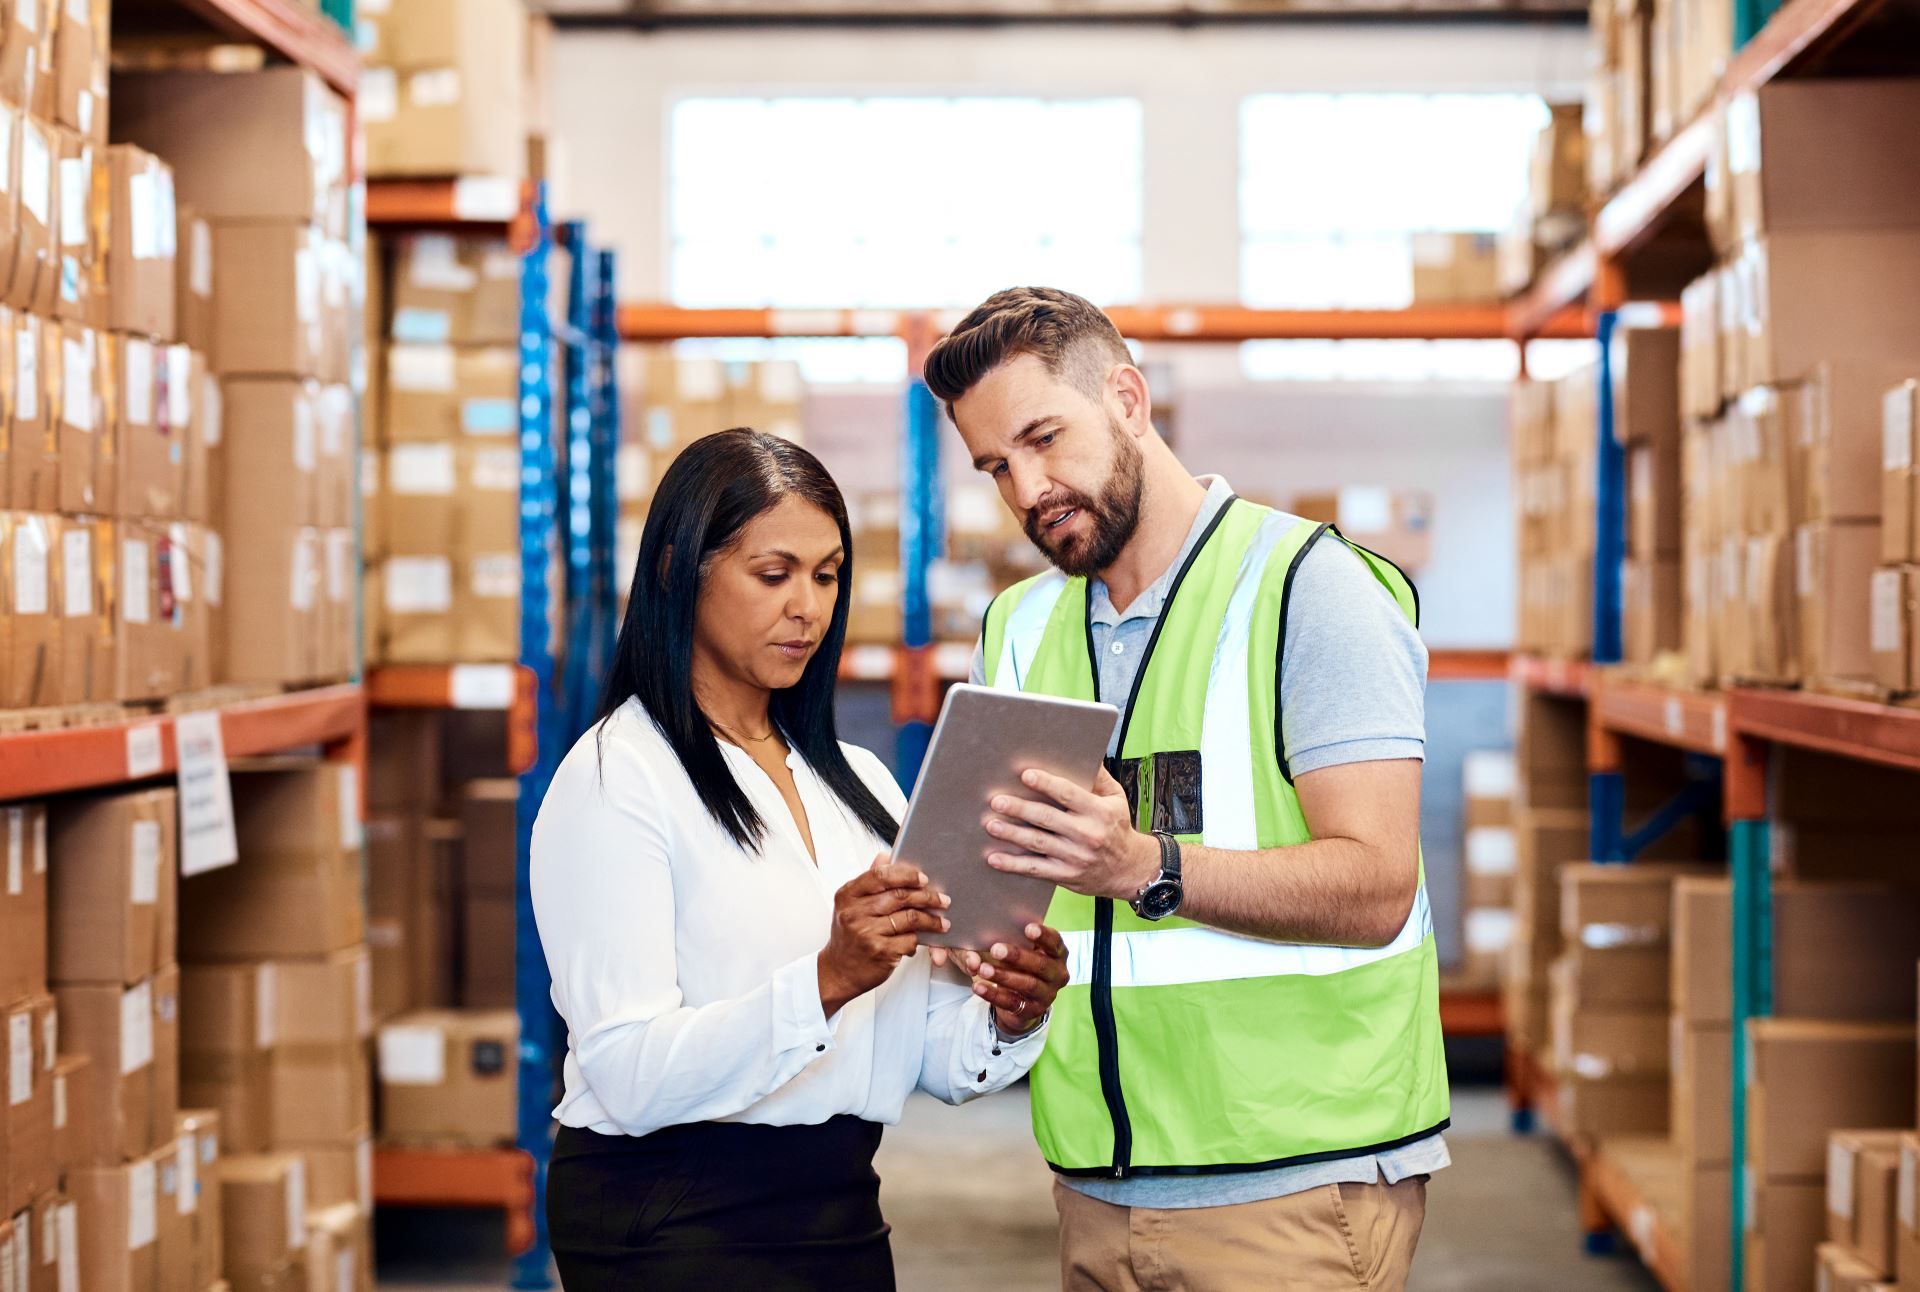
[684, 966]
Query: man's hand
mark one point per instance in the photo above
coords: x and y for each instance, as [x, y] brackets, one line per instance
[1082, 840]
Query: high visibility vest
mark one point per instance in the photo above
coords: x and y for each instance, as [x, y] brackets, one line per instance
[1180, 1049]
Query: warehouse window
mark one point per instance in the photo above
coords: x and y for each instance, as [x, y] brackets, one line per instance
[778, 202]
[1332, 189]
[824, 361]
[1463, 361]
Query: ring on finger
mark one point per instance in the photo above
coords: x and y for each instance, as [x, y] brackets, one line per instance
[892, 924]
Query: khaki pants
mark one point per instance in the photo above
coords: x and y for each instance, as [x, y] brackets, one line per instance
[1335, 1236]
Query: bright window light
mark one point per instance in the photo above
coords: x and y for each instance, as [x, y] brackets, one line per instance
[824, 361]
[901, 202]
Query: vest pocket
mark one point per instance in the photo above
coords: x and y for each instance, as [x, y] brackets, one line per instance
[1170, 784]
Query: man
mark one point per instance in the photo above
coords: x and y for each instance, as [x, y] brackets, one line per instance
[1244, 1086]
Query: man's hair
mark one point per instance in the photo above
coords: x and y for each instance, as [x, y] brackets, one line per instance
[1077, 343]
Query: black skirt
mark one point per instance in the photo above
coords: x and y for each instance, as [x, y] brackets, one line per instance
[720, 1205]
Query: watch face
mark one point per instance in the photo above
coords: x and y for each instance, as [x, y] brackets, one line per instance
[1160, 899]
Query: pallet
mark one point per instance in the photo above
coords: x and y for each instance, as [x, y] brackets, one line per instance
[477, 1178]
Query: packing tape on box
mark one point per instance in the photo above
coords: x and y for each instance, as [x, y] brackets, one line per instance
[1492, 850]
[413, 1055]
[186, 1162]
[495, 471]
[1909, 1186]
[136, 605]
[496, 576]
[69, 1247]
[1888, 613]
[142, 1205]
[423, 470]
[296, 1204]
[76, 550]
[32, 551]
[421, 368]
[1609, 936]
[435, 87]
[78, 350]
[418, 585]
[19, 1059]
[1840, 1179]
[1489, 929]
[138, 356]
[136, 1028]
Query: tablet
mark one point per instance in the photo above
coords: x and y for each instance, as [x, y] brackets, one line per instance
[984, 739]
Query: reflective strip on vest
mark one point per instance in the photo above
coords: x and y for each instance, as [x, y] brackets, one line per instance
[1227, 791]
[1177, 957]
[1026, 624]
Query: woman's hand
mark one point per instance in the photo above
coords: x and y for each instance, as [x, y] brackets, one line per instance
[876, 917]
[1019, 982]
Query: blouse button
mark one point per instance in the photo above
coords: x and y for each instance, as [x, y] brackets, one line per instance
[1119, 648]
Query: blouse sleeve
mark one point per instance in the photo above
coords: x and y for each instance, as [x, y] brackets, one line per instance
[962, 1055]
[603, 900]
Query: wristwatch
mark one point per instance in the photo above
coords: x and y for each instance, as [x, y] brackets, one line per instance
[1160, 896]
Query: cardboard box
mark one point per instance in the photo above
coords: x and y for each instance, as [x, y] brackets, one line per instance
[417, 599]
[72, 383]
[177, 1191]
[238, 1088]
[46, 1268]
[1615, 1105]
[1810, 1077]
[463, 292]
[263, 1201]
[1812, 295]
[275, 578]
[36, 268]
[1702, 1077]
[114, 854]
[1863, 1170]
[1489, 855]
[334, 1254]
[1455, 268]
[23, 901]
[150, 448]
[1653, 498]
[77, 239]
[299, 891]
[1606, 1043]
[1845, 433]
[271, 450]
[486, 607]
[114, 1027]
[1646, 386]
[440, 393]
[489, 514]
[451, 95]
[33, 454]
[1650, 592]
[1833, 562]
[31, 1035]
[266, 277]
[322, 1094]
[193, 278]
[323, 1002]
[487, 951]
[1894, 634]
[421, 500]
[149, 646]
[1786, 1219]
[340, 1175]
[1897, 476]
[199, 1133]
[1801, 156]
[72, 1114]
[194, 413]
[165, 1106]
[30, 589]
[117, 1220]
[201, 121]
[1906, 1258]
[449, 1077]
[1706, 1226]
[141, 245]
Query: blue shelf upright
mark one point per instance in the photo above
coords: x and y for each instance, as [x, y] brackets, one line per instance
[922, 535]
[1606, 791]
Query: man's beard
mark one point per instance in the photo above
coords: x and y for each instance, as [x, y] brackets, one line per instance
[1113, 516]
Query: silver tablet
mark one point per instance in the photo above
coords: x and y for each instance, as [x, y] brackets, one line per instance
[985, 738]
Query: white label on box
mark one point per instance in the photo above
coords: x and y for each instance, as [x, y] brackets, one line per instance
[266, 997]
[136, 1028]
[1909, 1186]
[26, 371]
[142, 1209]
[77, 11]
[377, 98]
[19, 1255]
[632, 472]
[200, 250]
[76, 550]
[31, 555]
[60, 1101]
[19, 1059]
[139, 381]
[306, 456]
[481, 686]
[79, 387]
[27, 14]
[296, 1204]
[1607, 935]
[212, 411]
[437, 87]
[489, 416]
[306, 285]
[495, 471]
[143, 215]
[484, 197]
[145, 844]
[1897, 428]
[1486, 773]
[69, 1247]
[419, 585]
[369, 476]
[179, 386]
[421, 368]
[1489, 929]
[496, 576]
[9, 121]
[304, 580]
[363, 1172]
[75, 173]
[16, 851]
[699, 381]
[49, 1039]
[134, 582]
[351, 834]
[422, 470]
[1840, 1180]
[36, 172]
[413, 1055]
[7, 1277]
[187, 1163]
[207, 839]
[143, 750]
[1803, 561]
[50, 1237]
[215, 567]
[177, 567]
[416, 326]
[1492, 850]
[501, 266]
[1366, 509]
[1887, 616]
[339, 545]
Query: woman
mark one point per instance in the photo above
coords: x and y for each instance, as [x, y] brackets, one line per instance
[740, 976]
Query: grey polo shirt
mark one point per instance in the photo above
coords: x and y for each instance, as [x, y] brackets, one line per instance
[1353, 691]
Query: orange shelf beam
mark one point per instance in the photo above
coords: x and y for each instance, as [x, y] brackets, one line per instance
[509, 688]
[34, 763]
[1468, 665]
[291, 30]
[1217, 323]
[483, 1178]
[476, 202]
[1471, 1013]
[1691, 720]
[1605, 1180]
[1555, 295]
[1858, 729]
[1569, 679]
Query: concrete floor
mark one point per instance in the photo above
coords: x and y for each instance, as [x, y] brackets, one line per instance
[971, 1208]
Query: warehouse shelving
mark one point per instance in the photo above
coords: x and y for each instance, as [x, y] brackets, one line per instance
[36, 763]
[287, 29]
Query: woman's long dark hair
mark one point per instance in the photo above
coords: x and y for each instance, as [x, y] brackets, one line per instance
[709, 494]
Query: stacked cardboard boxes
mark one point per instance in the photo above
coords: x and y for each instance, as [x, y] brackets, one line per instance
[1455, 268]
[1554, 214]
[1895, 610]
[447, 565]
[1489, 853]
[445, 90]
[1553, 440]
[1550, 830]
[1646, 422]
[1863, 1172]
[449, 1078]
[411, 862]
[262, 227]
[1785, 384]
